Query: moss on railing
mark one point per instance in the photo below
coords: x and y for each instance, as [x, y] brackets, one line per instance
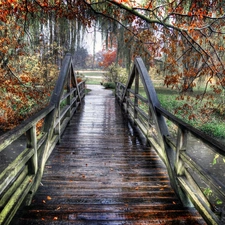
[21, 178]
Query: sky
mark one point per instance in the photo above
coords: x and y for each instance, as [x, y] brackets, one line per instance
[89, 41]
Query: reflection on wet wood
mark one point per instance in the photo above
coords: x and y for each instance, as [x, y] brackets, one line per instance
[101, 174]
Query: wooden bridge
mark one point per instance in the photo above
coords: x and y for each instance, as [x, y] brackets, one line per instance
[115, 162]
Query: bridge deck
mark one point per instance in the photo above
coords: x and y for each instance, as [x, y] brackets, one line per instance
[101, 174]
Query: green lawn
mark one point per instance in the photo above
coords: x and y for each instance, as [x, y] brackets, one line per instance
[92, 73]
[92, 77]
[90, 80]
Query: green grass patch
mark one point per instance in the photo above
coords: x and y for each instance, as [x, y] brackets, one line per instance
[95, 81]
[92, 73]
[211, 123]
[92, 77]
[109, 85]
[215, 128]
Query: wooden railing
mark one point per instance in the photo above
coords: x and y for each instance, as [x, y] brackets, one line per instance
[21, 178]
[147, 115]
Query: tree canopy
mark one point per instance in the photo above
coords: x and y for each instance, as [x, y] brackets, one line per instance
[191, 31]
[186, 36]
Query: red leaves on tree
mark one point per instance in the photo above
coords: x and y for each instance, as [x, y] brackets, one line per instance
[108, 58]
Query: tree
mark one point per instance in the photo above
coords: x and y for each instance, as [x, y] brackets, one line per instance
[79, 57]
[188, 35]
[109, 57]
[174, 22]
[33, 39]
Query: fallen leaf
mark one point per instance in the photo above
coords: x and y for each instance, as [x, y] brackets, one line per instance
[55, 218]
[49, 198]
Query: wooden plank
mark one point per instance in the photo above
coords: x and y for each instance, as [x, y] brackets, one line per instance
[100, 173]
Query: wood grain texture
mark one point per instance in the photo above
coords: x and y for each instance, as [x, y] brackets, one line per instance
[101, 174]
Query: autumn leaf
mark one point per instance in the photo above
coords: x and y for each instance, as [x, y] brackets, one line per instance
[49, 198]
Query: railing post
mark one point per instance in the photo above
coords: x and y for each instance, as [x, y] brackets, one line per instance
[33, 162]
[32, 143]
[180, 146]
[57, 129]
[136, 92]
[68, 99]
[117, 93]
[82, 90]
[127, 96]
[179, 169]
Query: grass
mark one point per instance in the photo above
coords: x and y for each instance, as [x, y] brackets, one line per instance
[92, 74]
[92, 77]
[211, 123]
[93, 80]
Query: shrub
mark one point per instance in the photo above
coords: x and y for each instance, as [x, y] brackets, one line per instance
[26, 90]
[80, 77]
[115, 74]
[109, 85]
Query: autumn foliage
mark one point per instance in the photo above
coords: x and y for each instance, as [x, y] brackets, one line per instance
[109, 57]
[187, 37]
[23, 95]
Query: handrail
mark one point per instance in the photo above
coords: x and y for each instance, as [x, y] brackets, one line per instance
[180, 166]
[21, 178]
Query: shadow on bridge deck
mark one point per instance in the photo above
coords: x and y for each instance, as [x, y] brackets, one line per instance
[101, 174]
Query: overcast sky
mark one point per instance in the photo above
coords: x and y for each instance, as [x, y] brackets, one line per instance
[89, 41]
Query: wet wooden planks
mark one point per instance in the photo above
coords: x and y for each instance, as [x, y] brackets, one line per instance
[101, 174]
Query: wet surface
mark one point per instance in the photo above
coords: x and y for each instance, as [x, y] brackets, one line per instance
[12, 152]
[204, 156]
[101, 174]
